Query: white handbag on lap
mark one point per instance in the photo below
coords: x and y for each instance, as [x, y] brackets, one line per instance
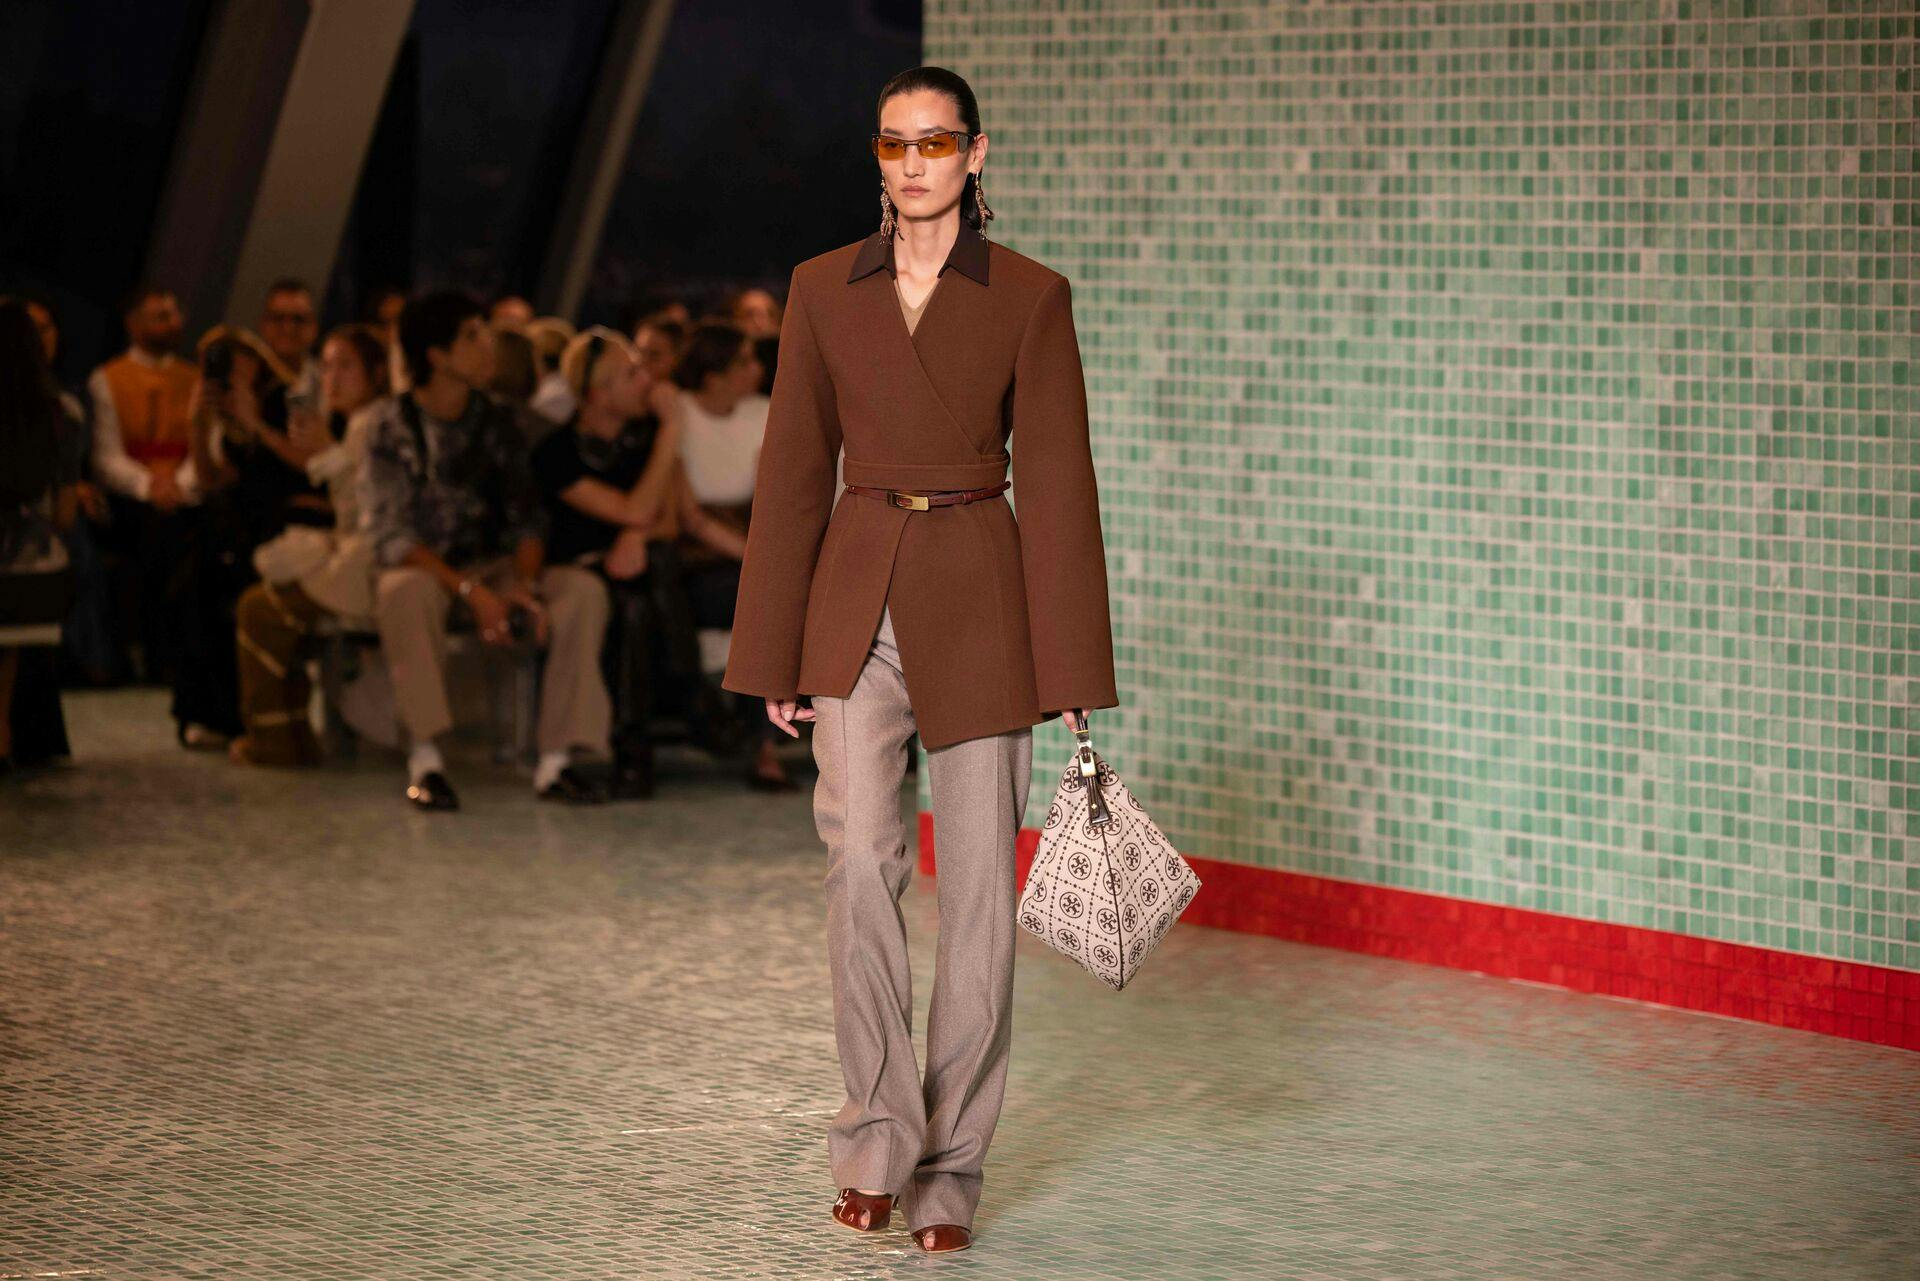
[1106, 885]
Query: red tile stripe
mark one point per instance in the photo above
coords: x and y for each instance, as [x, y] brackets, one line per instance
[1817, 994]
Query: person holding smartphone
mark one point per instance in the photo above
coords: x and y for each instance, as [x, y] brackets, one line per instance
[449, 504]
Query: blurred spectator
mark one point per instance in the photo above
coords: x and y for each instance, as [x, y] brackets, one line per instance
[87, 640]
[515, 373]
[726, 417]
[658, 341]
[452, 512]
[254, 483]
[142, 407]
[552, 399]
[306, 573]
[382, 310]
[37, 499]
[673, 311]
[719, 453]
[510, 312]
[609, 475]
[756, 313]
[290, 324]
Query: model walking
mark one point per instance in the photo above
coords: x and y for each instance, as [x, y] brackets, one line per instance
[916, 603]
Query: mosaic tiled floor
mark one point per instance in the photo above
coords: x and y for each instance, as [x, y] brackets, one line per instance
[277, 1026]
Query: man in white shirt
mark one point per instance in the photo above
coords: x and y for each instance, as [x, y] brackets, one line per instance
[142, 409]
[142, 400]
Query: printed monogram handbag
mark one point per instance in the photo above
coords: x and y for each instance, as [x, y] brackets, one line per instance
[1105, 885]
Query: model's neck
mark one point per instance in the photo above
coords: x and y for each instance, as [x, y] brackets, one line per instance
[923, 244]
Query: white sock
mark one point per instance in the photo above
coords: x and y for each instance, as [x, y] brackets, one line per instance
[423, 760]
[551, 763]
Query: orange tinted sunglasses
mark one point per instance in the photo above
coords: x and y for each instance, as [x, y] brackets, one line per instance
[935, 146]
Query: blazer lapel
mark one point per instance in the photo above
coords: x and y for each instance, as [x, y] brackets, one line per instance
[901, 352]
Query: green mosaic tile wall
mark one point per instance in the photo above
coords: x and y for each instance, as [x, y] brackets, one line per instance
[1505, 418]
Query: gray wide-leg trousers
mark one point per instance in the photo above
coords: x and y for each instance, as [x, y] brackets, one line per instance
[923, 1141]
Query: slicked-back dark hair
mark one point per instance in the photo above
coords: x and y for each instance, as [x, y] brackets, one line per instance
[940, 80]
[433, 320]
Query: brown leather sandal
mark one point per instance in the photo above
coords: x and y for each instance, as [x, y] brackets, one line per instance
[943, 1238]
[863, 1213]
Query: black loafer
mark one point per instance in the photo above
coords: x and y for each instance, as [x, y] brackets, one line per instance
[632, 777]
[573, 788]
[433, 792]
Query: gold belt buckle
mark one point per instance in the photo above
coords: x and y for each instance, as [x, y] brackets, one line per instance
[912, 502]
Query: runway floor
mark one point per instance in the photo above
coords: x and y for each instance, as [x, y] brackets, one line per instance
[270, 1025]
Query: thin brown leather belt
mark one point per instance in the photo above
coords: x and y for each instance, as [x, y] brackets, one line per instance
[939, 498]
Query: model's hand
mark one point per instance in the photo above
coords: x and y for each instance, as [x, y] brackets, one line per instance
[1075, 717]
[785, 711]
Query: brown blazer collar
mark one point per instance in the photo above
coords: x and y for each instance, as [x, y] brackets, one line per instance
[969, 254]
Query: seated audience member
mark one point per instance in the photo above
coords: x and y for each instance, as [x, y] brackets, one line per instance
[671, 311]
[515, 374]
[382, 308]
[37, 499]
[382, 311]
[448, 502]
[552, 399]
[252, 472]
[306, 573]
[609, 475]
[755, 313]
[658, 341]
[142, 412]
[289, 324]
[510, 311]
[719, 453]
[87, 641]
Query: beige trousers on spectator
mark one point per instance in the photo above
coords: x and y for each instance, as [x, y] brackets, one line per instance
[924, 1142]
[411, 609]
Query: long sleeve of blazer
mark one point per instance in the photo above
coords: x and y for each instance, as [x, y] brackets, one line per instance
[1000, 609]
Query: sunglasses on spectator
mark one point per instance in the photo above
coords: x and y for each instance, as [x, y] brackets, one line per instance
[935, 146]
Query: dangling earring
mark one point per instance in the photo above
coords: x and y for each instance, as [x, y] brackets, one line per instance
[980, 203]
[886, 212]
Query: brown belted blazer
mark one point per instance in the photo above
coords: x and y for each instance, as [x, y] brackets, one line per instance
[1000, 624]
